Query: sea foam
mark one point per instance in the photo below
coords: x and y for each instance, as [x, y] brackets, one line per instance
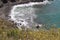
[24, 14]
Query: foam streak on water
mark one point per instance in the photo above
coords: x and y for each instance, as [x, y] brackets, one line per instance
[24, 14]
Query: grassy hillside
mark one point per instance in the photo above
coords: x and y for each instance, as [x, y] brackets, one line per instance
[9, 32]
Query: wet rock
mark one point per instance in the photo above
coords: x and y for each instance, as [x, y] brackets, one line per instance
[37, 26]
[36, 0]
[4, 1]
[13, 0]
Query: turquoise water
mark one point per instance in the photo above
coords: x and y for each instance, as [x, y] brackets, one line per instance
[46, 14]
[49, 14]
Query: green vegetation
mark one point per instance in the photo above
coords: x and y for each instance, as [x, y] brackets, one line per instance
[8, 31]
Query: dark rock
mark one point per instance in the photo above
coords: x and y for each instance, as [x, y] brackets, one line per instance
[36, 0]
[12, 0]
[4, 1]
[37, 26]
[1, 5]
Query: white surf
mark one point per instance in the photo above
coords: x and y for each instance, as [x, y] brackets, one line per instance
[24, 14]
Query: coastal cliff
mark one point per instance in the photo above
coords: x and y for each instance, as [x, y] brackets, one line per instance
[6, 5]
[2, 2]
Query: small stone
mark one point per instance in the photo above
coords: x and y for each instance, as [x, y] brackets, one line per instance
[37, 26]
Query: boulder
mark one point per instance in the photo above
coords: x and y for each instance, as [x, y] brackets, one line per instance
[36, 0]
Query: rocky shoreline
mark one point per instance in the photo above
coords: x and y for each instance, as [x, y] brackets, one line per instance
[2, 2]
[5, 5]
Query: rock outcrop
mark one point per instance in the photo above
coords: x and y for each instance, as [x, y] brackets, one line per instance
[2, 2]
[5, 5]
[36, 0]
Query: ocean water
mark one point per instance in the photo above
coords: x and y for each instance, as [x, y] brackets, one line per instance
[49, 14]
[36, 12]
[25, 14]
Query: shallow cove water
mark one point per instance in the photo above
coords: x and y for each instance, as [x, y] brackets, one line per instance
[24, 14]
[42, 13]
[49, 14]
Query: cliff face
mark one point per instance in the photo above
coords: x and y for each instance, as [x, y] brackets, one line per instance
[17, 1]
[36, 0]
[5, 5]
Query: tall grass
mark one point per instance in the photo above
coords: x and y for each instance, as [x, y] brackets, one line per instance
[9, 32]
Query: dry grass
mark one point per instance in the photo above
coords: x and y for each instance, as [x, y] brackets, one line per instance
[8, 32]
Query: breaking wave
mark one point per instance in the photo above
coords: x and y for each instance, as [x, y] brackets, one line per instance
[24, 14]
